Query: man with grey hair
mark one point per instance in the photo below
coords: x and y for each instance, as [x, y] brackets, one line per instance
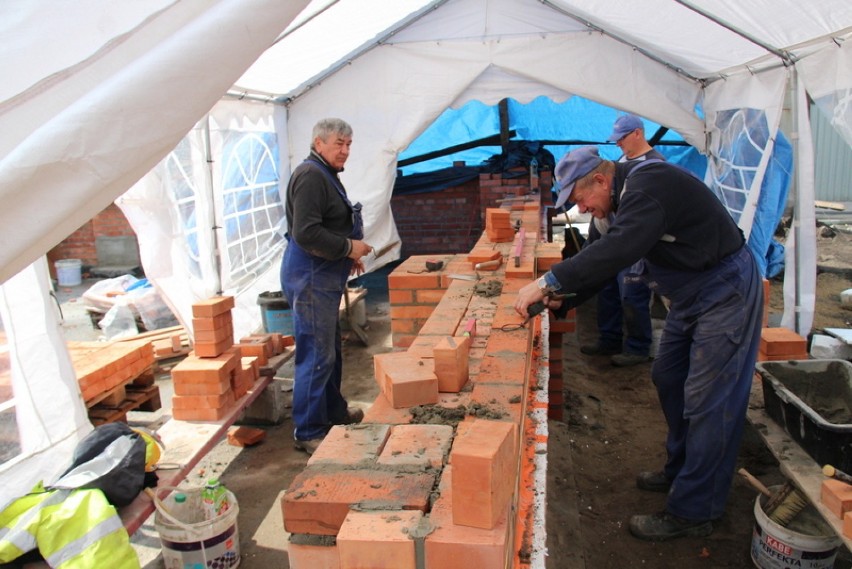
[687, 248]
[324, 247]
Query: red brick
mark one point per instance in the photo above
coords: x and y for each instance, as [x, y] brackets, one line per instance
[255, 349]
[312, 552]
[378, 540]
[484, 459]
[211, 307]
[351, 445]
[318, 500]
[224, 320]
[410, 382]
[453, 546]
[243, 436]
[836, 496]
[781, 341]
[452, 357]
[181, 402]
[417, 445]
[212, 349]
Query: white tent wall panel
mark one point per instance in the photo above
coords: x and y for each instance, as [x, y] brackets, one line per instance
[49, 409]
[98, 144]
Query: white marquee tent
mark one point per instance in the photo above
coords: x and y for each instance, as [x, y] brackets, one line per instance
[189, 113]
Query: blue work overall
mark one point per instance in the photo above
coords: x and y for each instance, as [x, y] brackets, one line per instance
[621, 301]
[314, 287]
[703, 374]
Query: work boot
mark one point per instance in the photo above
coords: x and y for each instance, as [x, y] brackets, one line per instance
[354, 416]
[653, 481]
[309, 446]
[664, 526]
[627, 359]
[600, 350]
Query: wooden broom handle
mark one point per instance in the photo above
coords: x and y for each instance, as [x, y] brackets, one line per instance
[757, 484]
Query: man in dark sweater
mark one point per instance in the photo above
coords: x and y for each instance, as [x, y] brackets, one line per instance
[691, 252]
[324, 247]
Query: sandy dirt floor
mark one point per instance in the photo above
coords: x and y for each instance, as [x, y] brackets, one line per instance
[612, 429]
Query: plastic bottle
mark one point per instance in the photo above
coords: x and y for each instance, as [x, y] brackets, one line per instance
[214, 499]
[178, 508]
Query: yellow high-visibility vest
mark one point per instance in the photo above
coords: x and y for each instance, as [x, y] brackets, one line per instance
[72, 529]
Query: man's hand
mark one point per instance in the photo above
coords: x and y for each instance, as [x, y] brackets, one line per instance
[359, 249]
[357, 268]
[530, 294]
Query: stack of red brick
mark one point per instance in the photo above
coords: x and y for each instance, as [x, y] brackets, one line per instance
[210, 381]
[405, 489]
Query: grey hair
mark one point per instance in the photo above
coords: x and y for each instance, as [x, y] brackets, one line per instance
[327, 127]
[606, 167]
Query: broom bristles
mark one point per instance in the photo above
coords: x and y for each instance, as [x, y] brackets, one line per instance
[785, 505]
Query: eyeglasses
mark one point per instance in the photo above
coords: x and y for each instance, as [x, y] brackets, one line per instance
[625, 136]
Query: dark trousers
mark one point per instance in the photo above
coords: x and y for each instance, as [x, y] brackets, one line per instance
[314, 288]
[625, 304]
[703, 374]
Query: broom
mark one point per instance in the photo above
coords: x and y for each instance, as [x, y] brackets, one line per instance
[783, 505]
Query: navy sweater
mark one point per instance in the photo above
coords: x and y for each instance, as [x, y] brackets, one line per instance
[662, 201]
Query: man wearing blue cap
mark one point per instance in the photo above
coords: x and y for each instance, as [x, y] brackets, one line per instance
[693, 253]
[624, 306]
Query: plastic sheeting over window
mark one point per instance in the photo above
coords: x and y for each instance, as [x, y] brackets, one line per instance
[222, 218]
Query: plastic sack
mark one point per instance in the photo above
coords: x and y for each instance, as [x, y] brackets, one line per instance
[119, 321]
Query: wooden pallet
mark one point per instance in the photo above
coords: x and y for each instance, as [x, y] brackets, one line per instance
[136, 398]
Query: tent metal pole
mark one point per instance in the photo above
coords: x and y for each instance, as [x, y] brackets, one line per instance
[784, 56]
[214, 228]
[633, 46]
[796, 227]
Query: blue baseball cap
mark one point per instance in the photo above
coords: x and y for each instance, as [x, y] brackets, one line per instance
[572, 167]
[624, 125]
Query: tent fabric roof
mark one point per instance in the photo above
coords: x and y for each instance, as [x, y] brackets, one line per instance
[702, 39]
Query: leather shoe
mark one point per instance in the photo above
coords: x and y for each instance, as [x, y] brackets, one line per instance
[599, 350]
[653, 481]
[309, 446]
[664, 526]
[627, 359]
[353, 416]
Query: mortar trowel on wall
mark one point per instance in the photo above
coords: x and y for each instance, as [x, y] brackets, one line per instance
[492, 265]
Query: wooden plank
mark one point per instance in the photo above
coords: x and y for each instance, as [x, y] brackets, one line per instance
[837, 206]
[795, 463]
[186, 444]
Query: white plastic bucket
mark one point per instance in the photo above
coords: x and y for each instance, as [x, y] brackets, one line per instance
[189, 540]
[808, 542]
[68, 272]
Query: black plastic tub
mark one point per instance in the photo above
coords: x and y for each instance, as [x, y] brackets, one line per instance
[812, 401]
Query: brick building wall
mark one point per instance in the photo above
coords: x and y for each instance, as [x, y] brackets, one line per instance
[81, 244]
[451, 220]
